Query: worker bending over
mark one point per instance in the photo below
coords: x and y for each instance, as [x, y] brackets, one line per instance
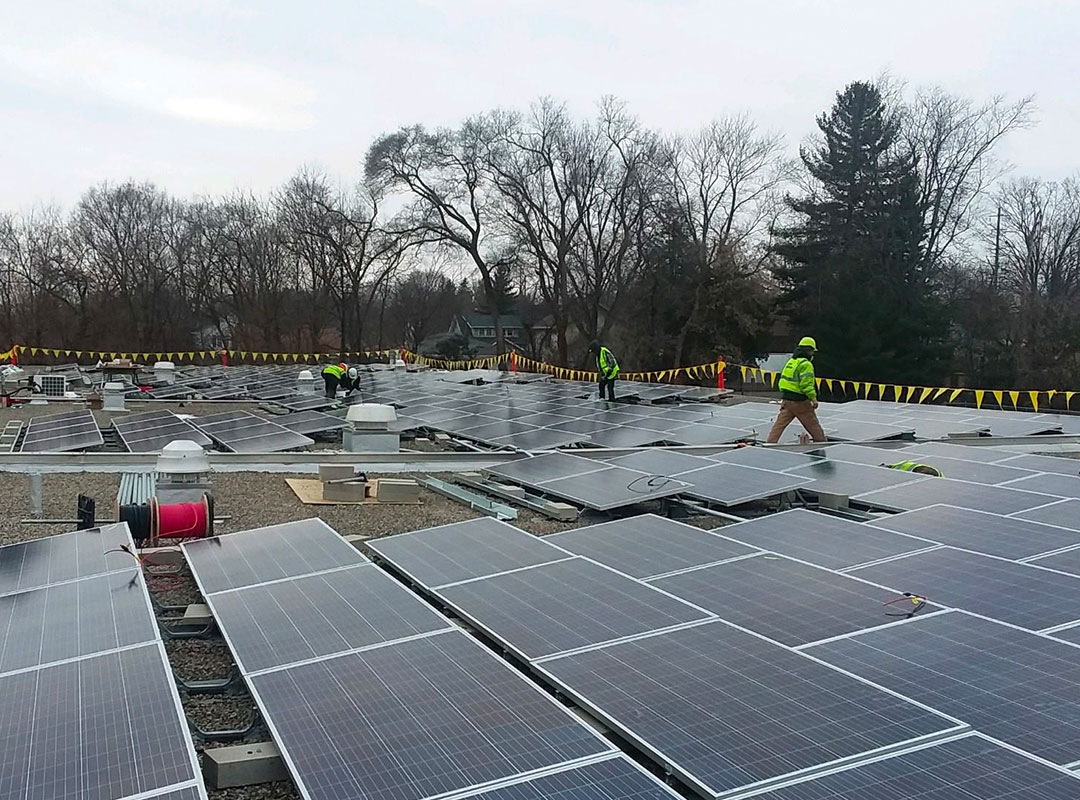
[606, 367]
[337, 376]
[914, 466]
[798, 393]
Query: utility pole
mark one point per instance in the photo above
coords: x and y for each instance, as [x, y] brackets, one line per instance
[997, 250]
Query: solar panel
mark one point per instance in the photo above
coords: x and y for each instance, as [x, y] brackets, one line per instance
[103, 612]
[314, 403]
[1065, 514]
[1016, 686]
[1052, 483]
[992, 534]
[242, 432]
[1067, 561]
[990, 474]
[968, 452]
[464, 550]
[943, 429]
[731, 484]
[697, 434]
[311, 422]
[76, 430]
[838, 477]
[55, 559]
[856, 431]
[624, 436]
[611, 779]
[146, 433]
[540, 439]
[935, 491]
[859, 454]
[566, 605]
[612, 487]
[788, 601]
[661, 462]
[284, 622]
[1060, 466]
[647, 545]
[266, 554]
[725, 709]
[1020, 594]
[585, 426]
[970, 767]
[822, 539]
[764, 458]
[1008, 426]
[415, 719]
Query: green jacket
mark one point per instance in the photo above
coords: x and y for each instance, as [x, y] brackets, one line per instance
[334, 370]
[606, 363]
[797, 379]
[911, 466]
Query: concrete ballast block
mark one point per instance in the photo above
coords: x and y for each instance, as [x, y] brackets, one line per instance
[336, 472]
[198, 613]
[397, 490]
[351, 492]
[243, 765]
[561, 511]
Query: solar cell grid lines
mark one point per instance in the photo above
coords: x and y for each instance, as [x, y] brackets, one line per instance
[821, 539]
[255, 556]
[992, 534]
[54, 559]
[969, 767]
[785, 600]
[243, 432]
[648, 545]
[1020, 594]
[76, 430]
[463, 551]
[142, 433]
[73, 619]
[1063, 513]
[1016, 686]
[731, 484]
[726, 709]
[839, 477]
[946, 491]
[415, 720]
[565, 605]
[1052, 483]
[610, 779]
[281, 623]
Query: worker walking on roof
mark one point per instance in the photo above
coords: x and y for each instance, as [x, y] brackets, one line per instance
[606, 367]
[339, 375]
[915, 466]
[798, 393]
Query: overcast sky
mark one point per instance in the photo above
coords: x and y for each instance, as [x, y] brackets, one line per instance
[203, 96]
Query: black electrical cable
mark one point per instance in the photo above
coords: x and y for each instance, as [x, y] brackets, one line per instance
[652, 482]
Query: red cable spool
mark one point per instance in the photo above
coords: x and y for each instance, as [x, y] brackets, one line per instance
[182, 520]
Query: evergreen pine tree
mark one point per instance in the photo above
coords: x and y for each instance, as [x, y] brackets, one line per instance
[852, 270]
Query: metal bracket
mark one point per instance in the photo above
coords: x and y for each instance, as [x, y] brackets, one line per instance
[204, 632]
[210, 685]
[257, 726]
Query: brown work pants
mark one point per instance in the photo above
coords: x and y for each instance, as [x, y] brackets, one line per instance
[803, 411]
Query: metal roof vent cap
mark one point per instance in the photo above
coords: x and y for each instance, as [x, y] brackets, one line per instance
[165, 371]
[182, 457]
[371, 416]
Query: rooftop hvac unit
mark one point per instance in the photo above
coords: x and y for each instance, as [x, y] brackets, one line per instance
[51, 385]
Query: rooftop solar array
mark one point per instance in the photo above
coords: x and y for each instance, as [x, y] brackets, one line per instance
[90, 707]
[244, 432]
[371, 693]
[57, 433]
[150, 432]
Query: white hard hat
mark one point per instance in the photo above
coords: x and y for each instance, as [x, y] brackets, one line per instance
[352, 372]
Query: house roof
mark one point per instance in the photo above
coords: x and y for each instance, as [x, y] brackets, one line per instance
[479, 320]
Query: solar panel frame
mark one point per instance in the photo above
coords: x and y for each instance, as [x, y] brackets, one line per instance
[460, 551]
[1014, 685]
[1025, 595]
[371, 759]
[658, 691]
[979, 531]
[647, 545]
[288, 550]
[615, 778]
[565, 605]
[822, 539]
[947, 491]
[971, 766]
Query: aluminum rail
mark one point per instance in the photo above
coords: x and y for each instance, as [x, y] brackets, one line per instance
[440, 461]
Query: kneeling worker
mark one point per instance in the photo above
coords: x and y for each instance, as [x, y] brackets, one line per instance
[798, 393]
[607, 368]
[914, 466]
[338, 375]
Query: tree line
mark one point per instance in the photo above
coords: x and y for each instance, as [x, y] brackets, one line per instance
[898, 239]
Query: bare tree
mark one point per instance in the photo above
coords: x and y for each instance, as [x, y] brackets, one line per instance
[952, 140]
[444, 174]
